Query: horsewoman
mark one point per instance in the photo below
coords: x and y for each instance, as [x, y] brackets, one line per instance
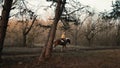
[61, 41]
[63, 37]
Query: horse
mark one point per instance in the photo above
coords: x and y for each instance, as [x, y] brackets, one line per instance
[61, 41]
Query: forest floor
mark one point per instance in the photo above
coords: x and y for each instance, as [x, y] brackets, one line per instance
[78, 57]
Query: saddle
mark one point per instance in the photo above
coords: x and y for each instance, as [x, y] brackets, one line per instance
[62, 40]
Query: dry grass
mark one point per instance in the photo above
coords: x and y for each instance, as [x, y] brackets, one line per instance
[71, 59]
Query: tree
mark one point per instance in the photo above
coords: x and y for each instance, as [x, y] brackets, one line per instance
[27, 17]
[114, 14]
[47, 50]
[26, 30]
[3, 23]
[92, 28]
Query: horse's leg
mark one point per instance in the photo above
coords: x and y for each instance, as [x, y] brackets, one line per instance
[62, 48]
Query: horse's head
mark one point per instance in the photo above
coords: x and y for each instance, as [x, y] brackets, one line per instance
[68, 40]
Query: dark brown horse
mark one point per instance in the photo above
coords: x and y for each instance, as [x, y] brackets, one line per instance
[62, 42]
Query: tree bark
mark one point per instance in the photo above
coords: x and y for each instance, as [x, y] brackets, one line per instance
[47, 50]
[3, 23]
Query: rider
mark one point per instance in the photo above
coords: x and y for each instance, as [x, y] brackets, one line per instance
[63, 37]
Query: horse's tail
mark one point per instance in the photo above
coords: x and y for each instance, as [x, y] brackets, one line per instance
[53, 45]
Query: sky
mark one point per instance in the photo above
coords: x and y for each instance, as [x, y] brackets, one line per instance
[98, 5]
[39, 6]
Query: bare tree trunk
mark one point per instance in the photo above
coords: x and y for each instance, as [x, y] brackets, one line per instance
[118, 36]
[76, 35]
[4, 22]
[24, 40]
[47, 50]
[26, 32]
[89, 42]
